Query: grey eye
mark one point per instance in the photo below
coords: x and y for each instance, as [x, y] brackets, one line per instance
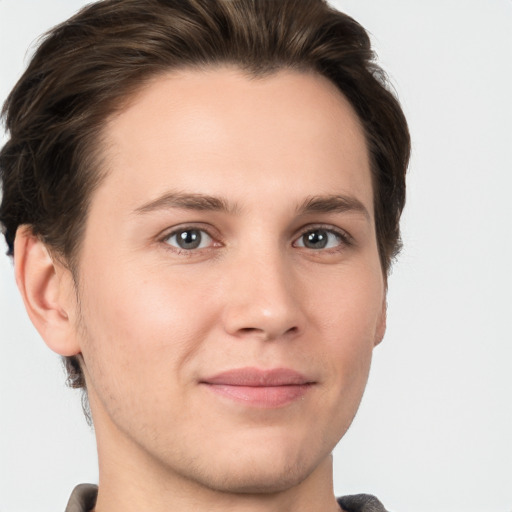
[319, 239]
[189, 239]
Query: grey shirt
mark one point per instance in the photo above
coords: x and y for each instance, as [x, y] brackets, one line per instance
[83, 499]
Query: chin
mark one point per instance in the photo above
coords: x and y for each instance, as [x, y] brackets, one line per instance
[259, 471]
[259, 480]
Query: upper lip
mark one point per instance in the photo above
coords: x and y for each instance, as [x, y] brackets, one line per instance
[256, 377]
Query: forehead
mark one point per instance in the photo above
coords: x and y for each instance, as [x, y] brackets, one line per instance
[220, 131]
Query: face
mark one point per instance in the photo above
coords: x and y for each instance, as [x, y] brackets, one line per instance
[229, 281]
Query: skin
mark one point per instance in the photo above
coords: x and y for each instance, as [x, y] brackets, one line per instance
[153, 320]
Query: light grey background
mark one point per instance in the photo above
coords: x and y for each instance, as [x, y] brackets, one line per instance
[434, 432]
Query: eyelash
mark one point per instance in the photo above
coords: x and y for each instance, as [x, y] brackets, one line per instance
[345, 239]
[189, 252]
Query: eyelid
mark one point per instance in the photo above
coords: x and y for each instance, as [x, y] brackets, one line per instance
[346, 238]
[169, 232]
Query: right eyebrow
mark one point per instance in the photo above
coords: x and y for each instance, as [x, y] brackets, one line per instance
[187, 201]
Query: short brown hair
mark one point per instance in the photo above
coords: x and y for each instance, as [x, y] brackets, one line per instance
[85, 68]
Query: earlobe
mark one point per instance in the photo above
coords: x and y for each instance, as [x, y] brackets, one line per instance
[381, 326]
[45, 287]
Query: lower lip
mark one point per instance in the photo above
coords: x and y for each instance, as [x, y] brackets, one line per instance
[266, 397]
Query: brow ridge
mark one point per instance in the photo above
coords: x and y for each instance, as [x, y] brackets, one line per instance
[336, 203]
[187, 201]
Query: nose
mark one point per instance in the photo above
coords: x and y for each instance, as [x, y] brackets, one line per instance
[263, 299]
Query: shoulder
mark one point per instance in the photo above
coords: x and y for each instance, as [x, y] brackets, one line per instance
[361, 503]
[83, 498]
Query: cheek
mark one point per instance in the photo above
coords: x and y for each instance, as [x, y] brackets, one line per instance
[348, 315]
[142, 325]
[348, 302]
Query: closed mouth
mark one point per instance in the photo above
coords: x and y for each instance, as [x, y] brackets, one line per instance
[260, 388]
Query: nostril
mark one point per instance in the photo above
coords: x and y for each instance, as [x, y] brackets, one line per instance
[268, 335]
[248, 330]
[259, 317]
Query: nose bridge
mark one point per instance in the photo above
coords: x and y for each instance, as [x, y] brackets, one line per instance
[261, 295]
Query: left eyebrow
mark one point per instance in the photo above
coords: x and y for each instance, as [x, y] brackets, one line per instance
[333, 204]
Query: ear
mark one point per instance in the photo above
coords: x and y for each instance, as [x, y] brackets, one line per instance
[381, 323]
[47, 290]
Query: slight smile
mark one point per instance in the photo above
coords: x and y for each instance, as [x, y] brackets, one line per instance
[260, 388]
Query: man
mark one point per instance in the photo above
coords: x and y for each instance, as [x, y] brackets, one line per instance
[202, 201]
